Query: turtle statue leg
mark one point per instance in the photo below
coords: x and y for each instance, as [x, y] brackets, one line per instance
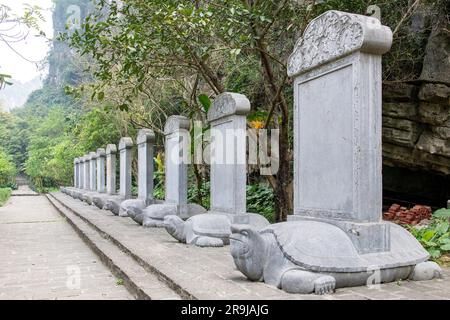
[204, 241]
[153, 223]
[304, 282]
[426, 271]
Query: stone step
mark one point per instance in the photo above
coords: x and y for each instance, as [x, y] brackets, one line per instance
[210, 273]
[193, 272]
[141, 283]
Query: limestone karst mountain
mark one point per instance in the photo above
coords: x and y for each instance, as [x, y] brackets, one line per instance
[16, 95]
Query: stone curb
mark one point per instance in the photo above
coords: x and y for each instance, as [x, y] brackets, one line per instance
[183, 293]
[94, 244]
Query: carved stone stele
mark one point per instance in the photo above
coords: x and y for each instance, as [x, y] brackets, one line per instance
[336, 237]
[336, 34]
[101, 152]
[228, 103]
[144, 136]
[111, 149]
[176, 123]
[125, 143]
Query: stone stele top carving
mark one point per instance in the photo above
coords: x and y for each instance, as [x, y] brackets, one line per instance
[176, 123]
[227, 104]
[101, 152]
[76, 160]
[145, 135]
[111, 149]
[92, 155]
[125, 143]
[335, 34]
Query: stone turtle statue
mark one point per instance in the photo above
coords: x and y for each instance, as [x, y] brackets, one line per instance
[132, 205]
[153, 215]
[209, 229]
[311, 256]
[113, 204]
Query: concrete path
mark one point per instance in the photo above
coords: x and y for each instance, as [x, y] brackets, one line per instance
[210, 273]
[24, 190]
[41, 256]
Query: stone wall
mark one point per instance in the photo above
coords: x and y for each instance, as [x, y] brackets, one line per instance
[416, 114]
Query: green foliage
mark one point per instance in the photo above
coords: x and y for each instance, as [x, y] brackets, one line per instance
[442, 213]
[5, 193]
[260, 199]
[204, 191]
[51, 151]
[96, 129]
[435, 237]
[7, 169]
[205, 101]
[158, 175]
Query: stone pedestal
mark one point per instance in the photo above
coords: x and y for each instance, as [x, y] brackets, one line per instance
[227, 118]
[125, 145]
[86, 173]
[111, 151]
[145, 142]
[76, 182]
[93, 171]
[337, 126]
[177, 157]
[336, 237]
[101, 155]
[81, 172]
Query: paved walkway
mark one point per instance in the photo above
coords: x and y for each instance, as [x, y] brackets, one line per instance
[24, 190]
[210, 273]
[41, 256]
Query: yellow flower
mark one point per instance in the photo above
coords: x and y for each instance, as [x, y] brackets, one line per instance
[257, 124]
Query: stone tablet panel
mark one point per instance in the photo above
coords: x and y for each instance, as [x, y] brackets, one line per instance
[145, 141]
[336, 67]
[177, 157]
[228, 152]
[325, 146]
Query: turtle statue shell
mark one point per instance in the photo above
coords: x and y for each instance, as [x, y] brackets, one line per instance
[310, 256]
[213, 225]
[327, 248]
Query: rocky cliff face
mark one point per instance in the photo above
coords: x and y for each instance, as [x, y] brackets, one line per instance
[416, 113]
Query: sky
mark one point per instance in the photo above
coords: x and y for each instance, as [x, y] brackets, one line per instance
[32, 48]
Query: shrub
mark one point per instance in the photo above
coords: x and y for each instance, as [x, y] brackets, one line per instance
[260, 199]
[7, 170]
[5, 193]
[435, 237]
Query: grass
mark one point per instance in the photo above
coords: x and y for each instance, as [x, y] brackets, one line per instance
[5, 193]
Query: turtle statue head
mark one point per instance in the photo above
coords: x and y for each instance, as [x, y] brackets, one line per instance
[107, 205]
[98, 201]
[248, 251]
[175, 227]
[133, 211]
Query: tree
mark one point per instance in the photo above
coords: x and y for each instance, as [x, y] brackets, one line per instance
[162, 55]
[7, 169]
[15, 28]
[191, 46]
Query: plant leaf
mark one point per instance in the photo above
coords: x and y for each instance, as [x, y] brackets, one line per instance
[428, 235]
[442, 213]
[435, 253]
[205, 101]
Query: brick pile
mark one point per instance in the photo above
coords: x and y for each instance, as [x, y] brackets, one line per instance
[403, 215]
